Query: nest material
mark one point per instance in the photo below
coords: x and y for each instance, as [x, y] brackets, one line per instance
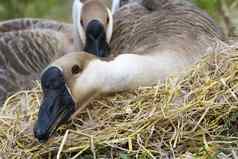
[195, 117]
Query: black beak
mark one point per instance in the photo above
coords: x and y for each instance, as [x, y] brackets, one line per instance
[57, 105]
[96, 41]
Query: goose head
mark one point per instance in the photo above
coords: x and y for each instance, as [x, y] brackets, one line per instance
[93, 25]
[67, 88]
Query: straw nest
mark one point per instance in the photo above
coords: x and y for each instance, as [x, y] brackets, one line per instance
[197, 116]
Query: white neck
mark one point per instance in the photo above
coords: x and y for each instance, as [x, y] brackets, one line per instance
[130, 71]
[79, 35]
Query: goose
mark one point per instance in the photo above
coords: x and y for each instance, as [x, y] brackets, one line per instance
[93, 23]
[28, 45]
[148, 45]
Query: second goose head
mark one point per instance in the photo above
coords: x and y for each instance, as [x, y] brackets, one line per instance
[93, 25]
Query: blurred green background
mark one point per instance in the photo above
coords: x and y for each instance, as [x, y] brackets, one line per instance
[53, 9]
[224, 11]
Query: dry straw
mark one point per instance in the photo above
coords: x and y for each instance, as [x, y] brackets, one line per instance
[195, 116]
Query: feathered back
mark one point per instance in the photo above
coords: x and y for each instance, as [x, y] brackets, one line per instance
[26, 47]
[165, 25]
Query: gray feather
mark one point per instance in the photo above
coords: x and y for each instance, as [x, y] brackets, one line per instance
[27, 46]
[169, 25]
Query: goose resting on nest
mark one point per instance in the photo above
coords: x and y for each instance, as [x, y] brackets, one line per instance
[27, 46]
[149, 44]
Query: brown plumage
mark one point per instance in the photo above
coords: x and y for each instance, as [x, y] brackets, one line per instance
[164, 24]
[26, 47]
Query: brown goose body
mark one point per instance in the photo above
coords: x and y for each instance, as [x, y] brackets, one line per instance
[26, 47]
[176, 25]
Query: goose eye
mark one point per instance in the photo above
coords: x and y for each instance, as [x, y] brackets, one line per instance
[76, 69]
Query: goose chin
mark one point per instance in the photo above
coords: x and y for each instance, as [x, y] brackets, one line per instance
[98, 48]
